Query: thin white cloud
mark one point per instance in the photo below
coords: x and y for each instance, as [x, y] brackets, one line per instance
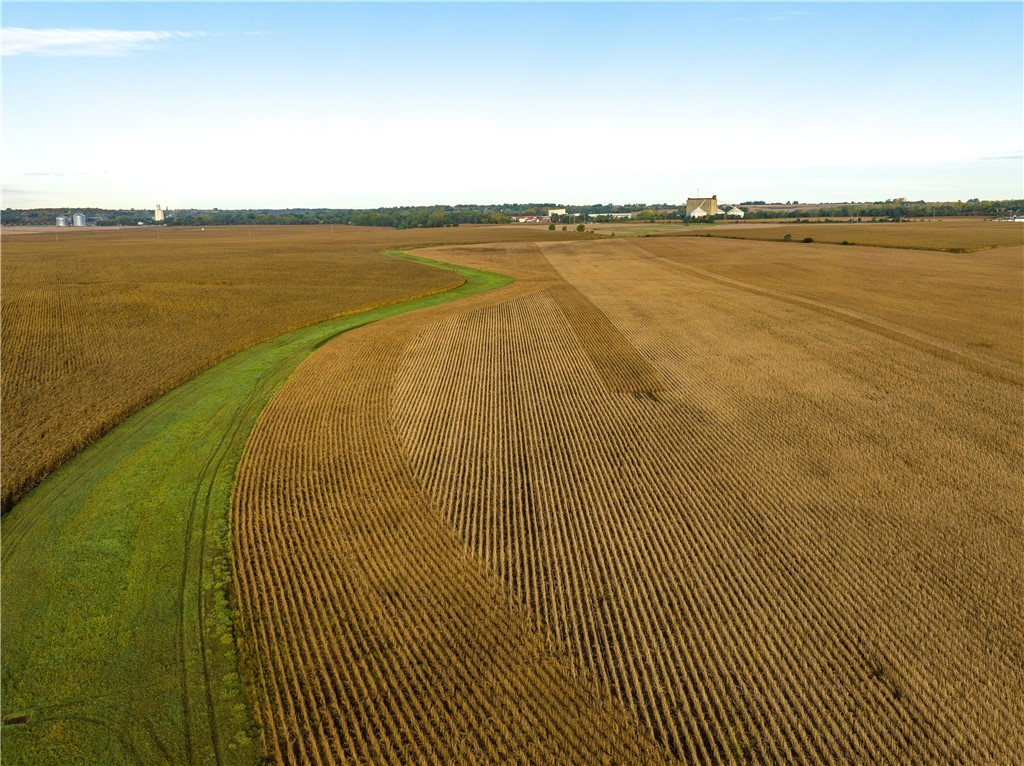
[18, 41]
[1008, 156]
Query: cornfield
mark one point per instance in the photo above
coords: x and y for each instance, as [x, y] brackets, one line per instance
[97, 323]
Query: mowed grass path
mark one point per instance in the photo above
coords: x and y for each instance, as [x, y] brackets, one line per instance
[117, 636]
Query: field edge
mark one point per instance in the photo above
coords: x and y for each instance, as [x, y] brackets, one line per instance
[209, 680]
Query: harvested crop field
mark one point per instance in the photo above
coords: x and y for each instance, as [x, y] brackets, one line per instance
[972, 302]
[958, 235]
[656, 501]
[98, 323]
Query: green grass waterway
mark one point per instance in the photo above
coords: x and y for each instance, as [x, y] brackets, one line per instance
[117, 637]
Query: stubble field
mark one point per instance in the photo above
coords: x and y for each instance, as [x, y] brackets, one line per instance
[957, 235]
[657, 501]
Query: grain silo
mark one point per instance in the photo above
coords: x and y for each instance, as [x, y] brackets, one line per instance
[708, 205]
[79, 219]
[62, 220]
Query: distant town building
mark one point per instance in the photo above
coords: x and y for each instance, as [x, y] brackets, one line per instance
[79, 219]
[610, 215]
[158, 214]
[531, 218]
[560, 211]
[698, 207]
[63, 220]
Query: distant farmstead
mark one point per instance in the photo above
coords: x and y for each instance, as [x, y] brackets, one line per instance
[531, 218]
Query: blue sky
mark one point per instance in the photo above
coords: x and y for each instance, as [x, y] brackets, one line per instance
[358, 105]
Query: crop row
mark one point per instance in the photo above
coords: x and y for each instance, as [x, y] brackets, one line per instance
[692, 551]
[375, 637]
[624, 512]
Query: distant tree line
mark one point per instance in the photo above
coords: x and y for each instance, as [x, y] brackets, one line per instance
[417, 217]
[895, 209]
[399, 217]
[396, 217]
[412, 217]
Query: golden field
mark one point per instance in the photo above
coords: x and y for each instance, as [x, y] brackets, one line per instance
[971, 301]
[661, 500]
[958, 235]
[949, 234]
[97, 323]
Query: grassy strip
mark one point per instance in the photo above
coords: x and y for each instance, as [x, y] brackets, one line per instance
[118, 642]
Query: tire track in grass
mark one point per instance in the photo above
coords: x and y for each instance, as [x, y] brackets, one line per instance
[202, 505]
[93, 562]
[204, 488]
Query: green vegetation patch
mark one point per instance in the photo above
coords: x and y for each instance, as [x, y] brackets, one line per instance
[118, 641]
